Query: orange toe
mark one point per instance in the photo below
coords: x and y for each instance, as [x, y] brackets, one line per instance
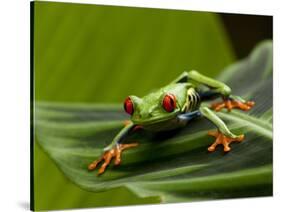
[107, 156]
[231, 104]
[221, 139]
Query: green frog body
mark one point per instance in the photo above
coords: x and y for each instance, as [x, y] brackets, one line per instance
[173, 106]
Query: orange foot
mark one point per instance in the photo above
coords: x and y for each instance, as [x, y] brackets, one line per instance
[222, 139]
[109, 155]
[230, 104]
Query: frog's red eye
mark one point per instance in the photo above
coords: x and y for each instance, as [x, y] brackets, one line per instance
[129, 106]
[169, 102]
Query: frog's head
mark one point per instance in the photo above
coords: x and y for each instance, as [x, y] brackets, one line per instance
[159, 106]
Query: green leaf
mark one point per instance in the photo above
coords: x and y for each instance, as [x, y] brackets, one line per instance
[173, 167]
[82, 49]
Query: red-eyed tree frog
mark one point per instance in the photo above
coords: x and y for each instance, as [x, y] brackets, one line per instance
[175, 106]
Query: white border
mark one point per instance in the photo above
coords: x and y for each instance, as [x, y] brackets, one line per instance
[228, 6]
[14, 111]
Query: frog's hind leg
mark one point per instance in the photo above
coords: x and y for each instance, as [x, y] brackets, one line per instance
[218, 88]
[223, 135]
[214, 85]
[233, 102]
[229, 103]
[181, 79]
[208, 95]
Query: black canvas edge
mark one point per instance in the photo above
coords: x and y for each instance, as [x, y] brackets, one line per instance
[31, 106]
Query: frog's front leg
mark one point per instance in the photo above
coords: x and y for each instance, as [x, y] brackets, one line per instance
[114, 150]
[223, 135]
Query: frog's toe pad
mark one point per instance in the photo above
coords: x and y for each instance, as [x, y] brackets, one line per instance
[231, 104]
[223, 140]
[109, 155]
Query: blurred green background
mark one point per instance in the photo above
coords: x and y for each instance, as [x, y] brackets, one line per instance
[90, 53]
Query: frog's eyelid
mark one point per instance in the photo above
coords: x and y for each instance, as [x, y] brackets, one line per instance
[136, 100]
